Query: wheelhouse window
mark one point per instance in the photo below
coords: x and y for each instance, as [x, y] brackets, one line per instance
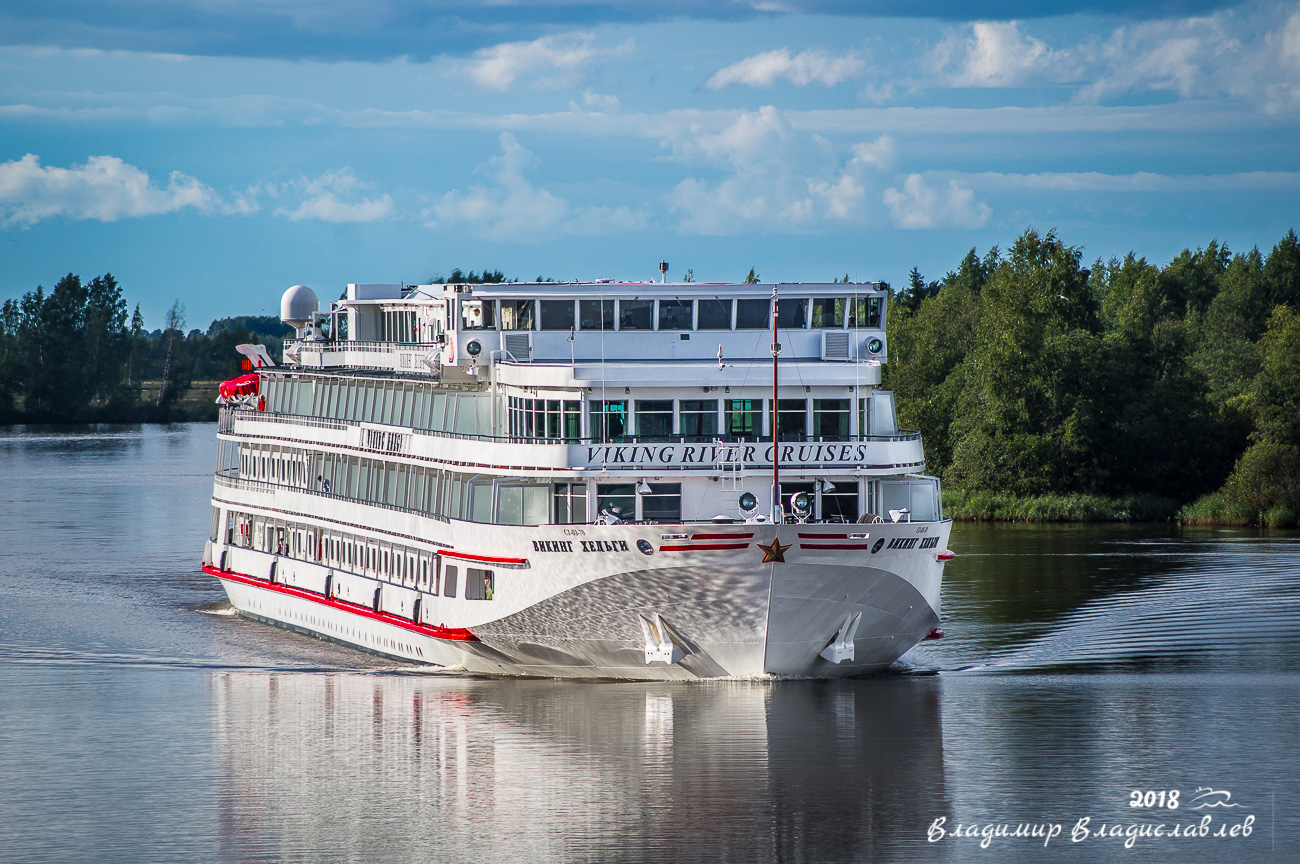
[675, 314]
[713, 315]
[609, 419]
[745, 418]
[517, 314]
[792, 313]
[699, 419]
[636, 314]
[791, 419]
[654, 419]
[828, 312]
[831, 419]
[557, 314]
[596, 314]
[477, 315]
[753, 314]
[616, 499]
[663, 503]
[866, 312]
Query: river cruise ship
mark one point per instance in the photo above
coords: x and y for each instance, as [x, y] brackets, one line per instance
[607, 479]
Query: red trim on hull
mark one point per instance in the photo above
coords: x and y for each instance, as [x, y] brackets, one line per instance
[451, 634]
[704, 547]
[486, 559]
[803, 536]
[834, 545]
[722, 536]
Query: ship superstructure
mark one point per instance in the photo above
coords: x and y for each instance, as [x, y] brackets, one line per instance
[578, 479]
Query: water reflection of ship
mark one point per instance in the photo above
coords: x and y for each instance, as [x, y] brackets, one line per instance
[401, 767]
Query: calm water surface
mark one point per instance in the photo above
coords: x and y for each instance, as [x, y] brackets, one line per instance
[141, 722]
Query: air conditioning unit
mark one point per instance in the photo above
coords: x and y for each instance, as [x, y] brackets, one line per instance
[838, 345]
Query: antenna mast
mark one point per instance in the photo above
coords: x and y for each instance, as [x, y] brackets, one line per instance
[776, 449]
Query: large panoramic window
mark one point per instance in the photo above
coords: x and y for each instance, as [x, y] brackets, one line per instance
[617, 499]
[557, 314]
[608, 419]
[699, 419]
[866, 312]
[663, 503]
[675, 314]
[745, 418]
[570, 503]
[791, 419]
[517, 314]
[828, 312]
[714, 315]
[753, 314]
[831, 419]
[654, 419]
[636, 314]
[792, 313]
[596, 314]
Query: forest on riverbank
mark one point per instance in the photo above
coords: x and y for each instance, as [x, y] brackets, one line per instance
[1049, 390]
[76, 355]
[1045, 390]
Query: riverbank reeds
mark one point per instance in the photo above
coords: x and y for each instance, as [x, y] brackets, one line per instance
[981, 506]
[1215, 509]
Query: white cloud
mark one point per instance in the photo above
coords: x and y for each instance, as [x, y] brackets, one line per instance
[805, 68]
[1247, 55]
[104, 188]
[996, 54]
[556, 60]
[513, 209]
[921, 206]
[878, 154]
[776, 178]
[324, 198]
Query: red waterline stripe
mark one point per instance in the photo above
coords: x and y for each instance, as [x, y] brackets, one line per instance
[722, 536]
[451, 634]
[834, 546]
[704, 547]
[486, 559]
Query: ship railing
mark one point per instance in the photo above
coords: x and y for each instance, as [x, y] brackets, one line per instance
[330, 423]
[229, 478]
[357, 345]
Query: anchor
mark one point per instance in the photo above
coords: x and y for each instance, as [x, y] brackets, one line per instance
[840, 648]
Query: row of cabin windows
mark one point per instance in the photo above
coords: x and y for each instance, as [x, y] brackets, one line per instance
[793, 313]
[375, 400]
[424, 489]
[706, 419]
[556, 419]
[377, 559]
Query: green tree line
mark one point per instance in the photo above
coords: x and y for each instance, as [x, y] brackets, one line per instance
[76, 354]
[1029, 375]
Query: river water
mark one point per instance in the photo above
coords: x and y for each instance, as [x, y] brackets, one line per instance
[140, 721]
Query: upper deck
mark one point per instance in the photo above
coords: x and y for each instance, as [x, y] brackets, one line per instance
[432, 329]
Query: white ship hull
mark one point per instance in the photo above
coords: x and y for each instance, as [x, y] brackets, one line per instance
[685, 610]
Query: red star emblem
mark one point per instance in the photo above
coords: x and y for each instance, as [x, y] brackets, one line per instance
[774, 551]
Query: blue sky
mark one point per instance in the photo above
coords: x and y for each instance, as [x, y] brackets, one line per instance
[218, 152]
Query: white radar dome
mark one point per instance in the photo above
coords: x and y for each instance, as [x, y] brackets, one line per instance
[297, 305]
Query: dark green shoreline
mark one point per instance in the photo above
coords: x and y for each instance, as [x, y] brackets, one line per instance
[1210, 510]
